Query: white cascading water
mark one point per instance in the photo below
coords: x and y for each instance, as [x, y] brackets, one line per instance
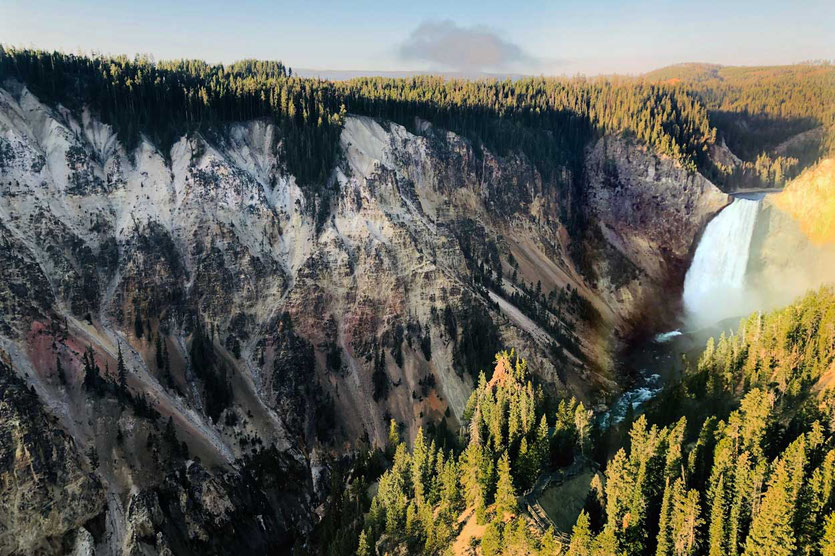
[714, 287]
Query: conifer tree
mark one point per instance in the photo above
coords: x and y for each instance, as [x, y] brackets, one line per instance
[491, 541]
[450, 491]
[160, 361]
[716, 533]
[596, 500]
[827, 544]
[138, 325]
[169, 434]
[505, 493]
[543, 444]
[581, 537]
[674, 446]
[664, 545]
[771, 531]
[166, 363]
[471, 471]
[59, 370]
[606, 543]
[582, 424]
[685, 520]
[549, 544]
[420, 463]
[526, 465]
[413, 529]
[618, 491]
[363, 549]
[393, 440]
[92, 379]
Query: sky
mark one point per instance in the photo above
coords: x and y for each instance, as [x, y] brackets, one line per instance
[534, 37]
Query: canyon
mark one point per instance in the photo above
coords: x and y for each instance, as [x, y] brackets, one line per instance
[251, 333]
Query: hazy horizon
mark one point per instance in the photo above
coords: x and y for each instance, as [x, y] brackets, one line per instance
[336, 74]
[370, 38]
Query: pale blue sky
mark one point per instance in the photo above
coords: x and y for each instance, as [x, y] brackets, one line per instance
[554, 37]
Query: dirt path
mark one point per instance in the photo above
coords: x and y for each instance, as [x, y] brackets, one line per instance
[471, 529]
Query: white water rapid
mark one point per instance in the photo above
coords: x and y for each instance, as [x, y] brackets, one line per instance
[714, 287]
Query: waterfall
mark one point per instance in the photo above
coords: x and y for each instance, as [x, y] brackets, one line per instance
[714, 287]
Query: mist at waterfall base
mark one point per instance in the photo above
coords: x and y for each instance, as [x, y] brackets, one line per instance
[715, 287]
[750, 258]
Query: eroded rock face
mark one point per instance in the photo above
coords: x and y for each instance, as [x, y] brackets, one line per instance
[808, 199]
[264, 327]
[649, 211]
[790, 253]
[194, 511]
[46, 489]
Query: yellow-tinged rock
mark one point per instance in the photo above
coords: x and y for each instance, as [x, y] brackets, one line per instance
[810, 200]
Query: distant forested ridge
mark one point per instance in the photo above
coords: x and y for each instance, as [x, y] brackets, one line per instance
[166, 100]
[550, 120]
[758, 110]
[677, 110]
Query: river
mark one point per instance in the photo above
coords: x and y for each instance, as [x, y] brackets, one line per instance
[713, 300]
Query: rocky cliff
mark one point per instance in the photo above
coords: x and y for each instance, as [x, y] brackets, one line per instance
[793, 247]
[810, 200]
[650, 213]
[191, 336]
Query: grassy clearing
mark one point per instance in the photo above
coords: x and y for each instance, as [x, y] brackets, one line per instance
[563, 502]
